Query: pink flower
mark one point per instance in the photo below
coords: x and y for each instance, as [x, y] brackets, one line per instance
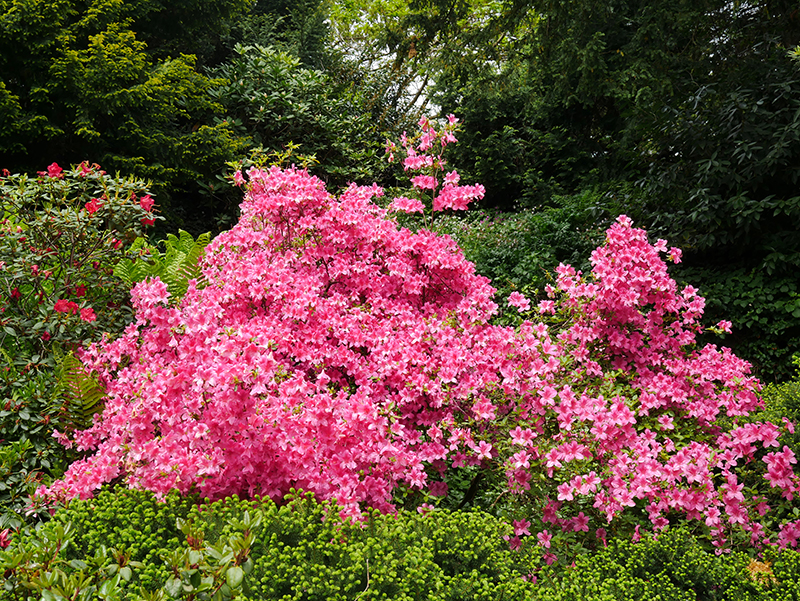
[484, 450]
[521, 527]
[725, 326]
[5, 540]
[452, 178]
[238, 178]
[666, 422]
[424, 182]
[88, 314]
[407, 205]
[519, 301]
[147, 222]
[544, 538]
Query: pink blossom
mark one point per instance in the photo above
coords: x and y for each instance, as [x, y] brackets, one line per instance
[88, 314]
[544, 538]
[519, 301]
[452, 178]
[521, 527]
[407, 205]
[424, 182]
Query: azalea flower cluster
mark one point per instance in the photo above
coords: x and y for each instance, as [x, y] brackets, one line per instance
[423, 154]
[332, 351]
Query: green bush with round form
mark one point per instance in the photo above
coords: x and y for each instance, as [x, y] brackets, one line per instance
[675, 566]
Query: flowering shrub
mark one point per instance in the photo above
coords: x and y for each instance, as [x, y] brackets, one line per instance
[423, 154]
[333, 352]
[60, 235]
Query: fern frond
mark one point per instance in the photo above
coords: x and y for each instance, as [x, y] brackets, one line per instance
[84, 394]
[178, 264]
[9, 360]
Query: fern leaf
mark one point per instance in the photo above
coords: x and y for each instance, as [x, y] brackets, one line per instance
[84, 394]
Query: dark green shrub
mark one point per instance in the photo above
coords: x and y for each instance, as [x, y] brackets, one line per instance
[520, 251]
[61, 234]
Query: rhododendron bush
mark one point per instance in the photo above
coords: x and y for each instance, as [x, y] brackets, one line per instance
[328, 349]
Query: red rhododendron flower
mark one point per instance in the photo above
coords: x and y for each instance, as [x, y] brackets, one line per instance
[93, 206]
[53, 170]
[88, 314]
[64, 306]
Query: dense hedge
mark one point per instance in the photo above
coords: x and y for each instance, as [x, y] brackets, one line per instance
[126, 545]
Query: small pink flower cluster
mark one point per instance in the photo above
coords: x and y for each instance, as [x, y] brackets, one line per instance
[419, 157]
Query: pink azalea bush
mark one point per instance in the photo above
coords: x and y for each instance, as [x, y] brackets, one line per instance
[330, 350]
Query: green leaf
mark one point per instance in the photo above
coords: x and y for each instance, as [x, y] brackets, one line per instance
[173, 587]
[234, 576]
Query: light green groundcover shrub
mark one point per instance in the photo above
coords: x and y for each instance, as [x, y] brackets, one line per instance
[126, 545]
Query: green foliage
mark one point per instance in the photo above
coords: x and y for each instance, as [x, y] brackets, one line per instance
[85, 395]
[115, 82]
[764, 310]
[675, 567]
[57, 290]
[175, 266]
[277, 101]
[301, 550]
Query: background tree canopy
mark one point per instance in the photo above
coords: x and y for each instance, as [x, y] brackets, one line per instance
[684, 115]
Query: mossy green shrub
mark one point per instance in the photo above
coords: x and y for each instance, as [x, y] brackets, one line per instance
[132, 520]
[126, 545]
[675, 566]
